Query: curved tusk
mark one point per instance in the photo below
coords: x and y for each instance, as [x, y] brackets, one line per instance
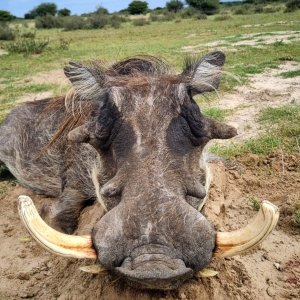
[52, 240]
[239, 241]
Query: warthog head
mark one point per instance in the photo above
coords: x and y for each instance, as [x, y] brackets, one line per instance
[150, 134]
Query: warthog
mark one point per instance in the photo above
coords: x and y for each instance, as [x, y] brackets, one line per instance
[130, 136]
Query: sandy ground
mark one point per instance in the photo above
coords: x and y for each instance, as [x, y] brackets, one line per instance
[254, 40]
[271, 271]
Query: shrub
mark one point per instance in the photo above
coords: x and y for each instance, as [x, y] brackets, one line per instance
[27, 46]
[292, 5]
[115, 21]
[28, 34]
[222, 17]
[99, 21]
[208, 7]
[258, 9]
[174, 5]
[64, 44]
[188, 12]
[137, 7]
[243, 10]
[200, 16]
[6, 16]
[64, 12]
[140, 22]
[6, 33]
[47, 22]
[169, 16]
[74, 23]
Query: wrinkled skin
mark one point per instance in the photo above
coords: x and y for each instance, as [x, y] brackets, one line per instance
[134, 143]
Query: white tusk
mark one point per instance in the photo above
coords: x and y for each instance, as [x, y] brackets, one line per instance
[239, 241]
[52, 240]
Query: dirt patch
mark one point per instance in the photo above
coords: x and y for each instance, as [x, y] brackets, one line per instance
[3, 52]
[263, 90]
[53, 77]
[270, 272]
[230, 43]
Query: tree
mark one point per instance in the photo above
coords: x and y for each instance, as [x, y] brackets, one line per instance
[31, 14]
[174, 5]
[101, 11]
[137, 7]
[208, 7]
[64, 12]
[6, 16]
[46, 9]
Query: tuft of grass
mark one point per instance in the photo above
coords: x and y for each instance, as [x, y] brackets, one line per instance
[254, 203]
[27, 46]
[260, 146]
[215, 113]
[297, 217]
[290, 74]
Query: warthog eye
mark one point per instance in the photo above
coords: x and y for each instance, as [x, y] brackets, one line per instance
[193, 123]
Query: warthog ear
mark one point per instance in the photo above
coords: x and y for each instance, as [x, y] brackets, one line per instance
[87, 80]
[205, 74]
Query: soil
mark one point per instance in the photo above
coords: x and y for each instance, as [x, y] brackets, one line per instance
[271, 271]
[254, 40]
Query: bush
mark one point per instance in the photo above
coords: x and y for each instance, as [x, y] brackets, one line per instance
[27, 46]
[115, 21]
[292, 5]
[222, 17]
[208, 7]
[137, 7]
[258, 9]
[74, 23]
[64, 44]
[47, 22]
[174, 5]
[99, 21]
[188, 12]
[140, 22]
[243, 10]
[64, 12]
[200, 16]
[28, 34]
[6, 34]
[6, 16]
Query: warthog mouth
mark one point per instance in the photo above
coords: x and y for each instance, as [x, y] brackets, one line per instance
[148, 269]
[154, 271]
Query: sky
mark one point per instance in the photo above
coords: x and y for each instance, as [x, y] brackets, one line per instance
[20, 7]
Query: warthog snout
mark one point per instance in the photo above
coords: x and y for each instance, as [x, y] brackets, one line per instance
[136, 242]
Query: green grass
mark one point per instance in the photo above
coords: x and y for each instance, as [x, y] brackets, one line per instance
[282, 127]
[263, 145]
[215, 113]
[290, 74]
[254, 203]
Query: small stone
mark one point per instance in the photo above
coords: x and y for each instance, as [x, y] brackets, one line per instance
[23, 276]
[277, 266]
[8, 229]
[39, 277]
[271, 291]
[10, 276]
[22, 255]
